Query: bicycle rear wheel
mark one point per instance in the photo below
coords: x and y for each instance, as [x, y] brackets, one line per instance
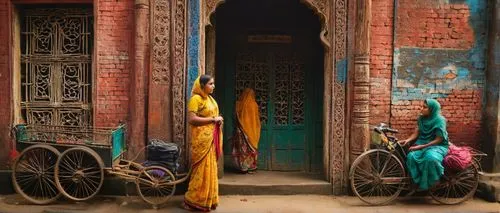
[456, 187]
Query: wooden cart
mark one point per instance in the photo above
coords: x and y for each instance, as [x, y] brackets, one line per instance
[72, 161]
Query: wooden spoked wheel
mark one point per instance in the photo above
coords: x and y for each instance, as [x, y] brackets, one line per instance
[153, 185]
[79, 173]
[456, 187]
[33, 174]
[377, 177]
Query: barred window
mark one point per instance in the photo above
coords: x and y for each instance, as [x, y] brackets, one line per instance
[56, 65]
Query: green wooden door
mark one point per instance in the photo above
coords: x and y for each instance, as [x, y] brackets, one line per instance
[286, 88]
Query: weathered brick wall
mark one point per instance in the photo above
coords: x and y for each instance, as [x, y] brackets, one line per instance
[440, 53]
[430, 24]
[381, 60]
[113, 24]
[5, 83]
[114, 27]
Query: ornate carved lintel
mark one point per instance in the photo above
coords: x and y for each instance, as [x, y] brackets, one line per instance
[320, 7]
[210, 7]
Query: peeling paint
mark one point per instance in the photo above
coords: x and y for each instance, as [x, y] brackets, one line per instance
[341, 70]
[431, 73]
[421, 73]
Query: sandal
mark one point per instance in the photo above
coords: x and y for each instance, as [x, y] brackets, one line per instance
[213, 207]
[189, 208]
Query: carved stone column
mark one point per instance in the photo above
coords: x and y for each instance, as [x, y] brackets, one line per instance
[167, 80]
[360, 130]
[138, 89]
[160, 82]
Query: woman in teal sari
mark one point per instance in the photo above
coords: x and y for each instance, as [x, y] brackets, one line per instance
[429, 146]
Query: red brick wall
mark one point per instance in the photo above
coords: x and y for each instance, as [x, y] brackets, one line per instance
[5, 83]
[381, 60]
[442, 27]
[114, 27]
[423, 24]
[462, 110]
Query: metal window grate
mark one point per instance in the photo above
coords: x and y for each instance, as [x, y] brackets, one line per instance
[56, 74]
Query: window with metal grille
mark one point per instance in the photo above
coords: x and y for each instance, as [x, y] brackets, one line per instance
[56, 67]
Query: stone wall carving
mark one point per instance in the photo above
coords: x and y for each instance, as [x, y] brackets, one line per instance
[161, 41]
[339, 83]
[179, 74]
[168, 72]
[210, 7]
[340, 29]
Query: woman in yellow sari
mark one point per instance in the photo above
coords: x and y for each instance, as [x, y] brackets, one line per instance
[206, 146]
[247, 135]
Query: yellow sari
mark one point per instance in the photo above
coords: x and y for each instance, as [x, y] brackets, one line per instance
[203, 190]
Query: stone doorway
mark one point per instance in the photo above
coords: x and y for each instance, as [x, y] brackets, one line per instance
[277, 52]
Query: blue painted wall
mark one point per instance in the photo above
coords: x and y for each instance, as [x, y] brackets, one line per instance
[193, 43]
[421, 73]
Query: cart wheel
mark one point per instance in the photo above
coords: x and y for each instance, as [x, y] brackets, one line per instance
[33, 174]
[79, 173]
[377, 177]
[152, 185]
[456, 187]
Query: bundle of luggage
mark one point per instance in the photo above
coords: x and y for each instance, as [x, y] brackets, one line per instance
[161, 153]
[458, 158]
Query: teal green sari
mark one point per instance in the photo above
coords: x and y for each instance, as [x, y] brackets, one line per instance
[425, 165]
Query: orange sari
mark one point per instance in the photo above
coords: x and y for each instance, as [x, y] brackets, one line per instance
[203, 190]
[246, 140]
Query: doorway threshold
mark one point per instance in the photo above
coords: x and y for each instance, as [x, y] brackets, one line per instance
[274, 183]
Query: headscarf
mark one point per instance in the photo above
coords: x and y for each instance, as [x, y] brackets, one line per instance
[434, 124]
[198, 89]
[247, 112]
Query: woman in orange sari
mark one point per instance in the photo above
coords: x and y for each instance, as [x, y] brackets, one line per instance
[206, 146]
[247, 135]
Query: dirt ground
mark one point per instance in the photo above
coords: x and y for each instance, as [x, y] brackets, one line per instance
[250, 204]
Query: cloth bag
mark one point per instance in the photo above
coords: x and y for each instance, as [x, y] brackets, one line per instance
[458, 158]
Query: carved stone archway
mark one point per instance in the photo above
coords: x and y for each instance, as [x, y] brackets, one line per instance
[346, 74]
[335, 67]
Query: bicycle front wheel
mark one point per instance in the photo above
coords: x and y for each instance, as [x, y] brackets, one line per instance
[377, 177]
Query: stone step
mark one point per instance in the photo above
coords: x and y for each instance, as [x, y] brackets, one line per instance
[273, 183]
[489, 186]
[259, 183]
